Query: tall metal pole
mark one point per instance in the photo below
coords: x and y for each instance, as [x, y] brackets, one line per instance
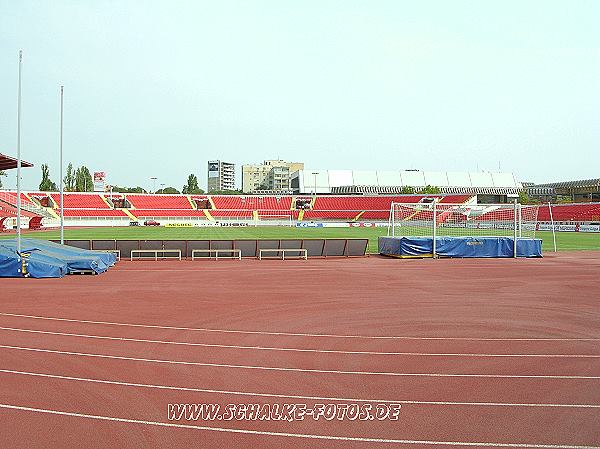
[19, 155]
[552, 222]
[62, 212]
[434, 243]
[515, 230]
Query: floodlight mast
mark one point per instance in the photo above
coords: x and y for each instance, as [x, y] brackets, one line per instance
[62, 211]
[19, 155]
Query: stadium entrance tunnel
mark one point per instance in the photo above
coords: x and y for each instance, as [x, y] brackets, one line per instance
[248, 248]
[459, 247]
[44, 259]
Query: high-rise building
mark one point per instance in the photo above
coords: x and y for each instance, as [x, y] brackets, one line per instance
[221, 176]
[271, 176]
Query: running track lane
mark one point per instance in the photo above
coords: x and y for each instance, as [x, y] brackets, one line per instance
[576, 324]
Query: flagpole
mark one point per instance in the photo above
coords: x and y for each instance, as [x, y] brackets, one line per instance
[62, 212]
[19, 155]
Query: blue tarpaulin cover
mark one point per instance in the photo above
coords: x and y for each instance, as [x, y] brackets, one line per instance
[459, 247]
[48, 259]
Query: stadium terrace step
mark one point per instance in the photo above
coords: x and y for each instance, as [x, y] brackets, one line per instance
[128, 213]
[108, 202]
[192, 203]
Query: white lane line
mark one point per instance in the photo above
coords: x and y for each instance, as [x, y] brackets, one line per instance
[291, 396]
[272, 348]
[291, 435]
[299, 370]
[293, 334]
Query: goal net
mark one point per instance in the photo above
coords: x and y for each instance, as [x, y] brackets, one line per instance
[275, 217]
[462, 220]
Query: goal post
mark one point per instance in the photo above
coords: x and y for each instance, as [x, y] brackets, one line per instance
[435, 220]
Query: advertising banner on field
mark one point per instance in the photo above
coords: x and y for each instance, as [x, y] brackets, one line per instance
[568, 227]
[309, 225]
[178, 225]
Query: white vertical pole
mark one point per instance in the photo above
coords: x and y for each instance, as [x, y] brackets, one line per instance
[19, 155]
[434, 227]
[62, 212]
[391, 220]
[515, 229]
[520, 221]
[552, 222]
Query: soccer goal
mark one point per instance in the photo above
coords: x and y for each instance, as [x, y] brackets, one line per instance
[435, 220]
[275, 218]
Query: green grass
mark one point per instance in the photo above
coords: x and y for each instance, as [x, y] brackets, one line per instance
[564, 240]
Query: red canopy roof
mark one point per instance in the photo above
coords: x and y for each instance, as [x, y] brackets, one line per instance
[7, 162]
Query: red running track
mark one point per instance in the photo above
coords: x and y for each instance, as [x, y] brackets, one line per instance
[478, 353]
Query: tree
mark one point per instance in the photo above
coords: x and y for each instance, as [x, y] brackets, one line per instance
[46, 185]
[1, 174]
[407, 190]
[192, 186]
[523, 197]
[168, 190]
[128, 189]
[69, 180]
[83, 180]
[226, 192]
[430, 190]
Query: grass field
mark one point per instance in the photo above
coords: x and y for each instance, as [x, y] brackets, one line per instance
[564, 240]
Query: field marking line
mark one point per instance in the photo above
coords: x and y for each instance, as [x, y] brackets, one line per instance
[293, 334]
[300, 370]
[289, 435]
[271, 348]
[291, 396]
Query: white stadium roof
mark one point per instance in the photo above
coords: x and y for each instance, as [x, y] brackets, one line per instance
[326, 181]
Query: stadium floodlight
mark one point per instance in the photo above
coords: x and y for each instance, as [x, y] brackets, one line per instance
[153, 178]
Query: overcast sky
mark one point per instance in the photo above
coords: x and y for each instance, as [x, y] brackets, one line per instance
[157, 88]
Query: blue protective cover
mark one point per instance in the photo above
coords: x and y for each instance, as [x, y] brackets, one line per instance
[459, 247]
[72, 259]
[38, 265]
[10, 265]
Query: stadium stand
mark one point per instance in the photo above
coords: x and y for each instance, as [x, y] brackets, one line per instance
[231, 213]
[231, 202]
[571, 212]
[375, 215]
[360, 203]
[80, 201]
[456, 199]
[325, 207]
[8, 205]
[11, 198]
[94, 213]
[8, 210]
[159, 202]
[331, 214]
[189, 212]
